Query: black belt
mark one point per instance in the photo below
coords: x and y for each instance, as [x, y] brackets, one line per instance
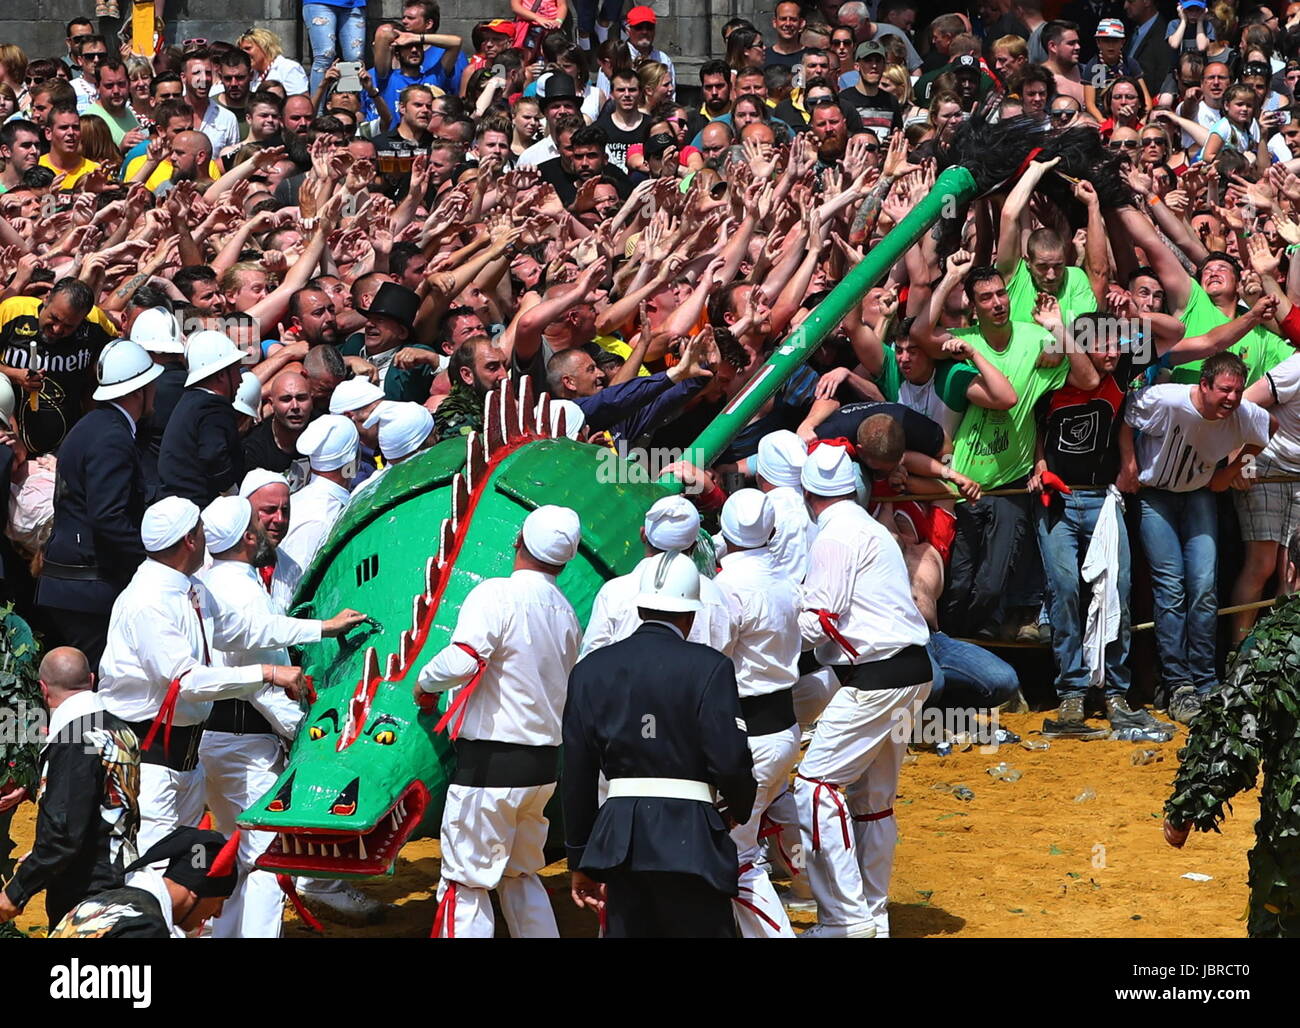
[181, 755]
[238, 717]
[486, 764]
[768, 714]
[910, 666]
[71, 572]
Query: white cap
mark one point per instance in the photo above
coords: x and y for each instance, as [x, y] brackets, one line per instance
[574, 419]
[403, 427]
[354, 394]
[167, 522]
[551, 534]
[225, 520]
[158, 331]
[207, 353]
[248, 397]
[259, 478]
[330, 441]
[828, 471]
[781, 456]
[123, 368]
[672, 524]
[748, 518]
[669, 582]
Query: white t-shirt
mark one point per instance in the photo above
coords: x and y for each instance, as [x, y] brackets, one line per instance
[1284, 447]
[1178, 449]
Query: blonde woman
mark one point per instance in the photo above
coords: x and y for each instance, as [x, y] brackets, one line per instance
[895, 81]
[139, 81]
[656, 84]
[266, 52]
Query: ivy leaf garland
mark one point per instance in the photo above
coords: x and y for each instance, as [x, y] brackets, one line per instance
[20, 698]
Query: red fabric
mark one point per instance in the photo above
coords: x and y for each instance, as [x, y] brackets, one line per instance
[266, 574]
[711, 500]
[445, 918]
[767, 828]
[880, 816]
[839, 440]
[166, 714]
[287, 887]
[466, 690]
[828, 619]
[1290, 325]
[750, 904]
[225, 862]
[1029, 159]
[839, 804]
[1052, 481]
[943, 530]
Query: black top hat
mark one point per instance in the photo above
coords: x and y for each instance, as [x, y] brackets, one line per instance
[396, 302]
[559, 86]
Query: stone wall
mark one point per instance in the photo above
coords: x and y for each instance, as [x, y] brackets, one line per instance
[689, 30]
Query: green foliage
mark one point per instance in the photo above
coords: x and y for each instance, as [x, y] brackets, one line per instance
[19, 693]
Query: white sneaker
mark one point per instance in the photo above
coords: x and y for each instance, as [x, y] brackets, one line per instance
[342, 902]
[862, 930]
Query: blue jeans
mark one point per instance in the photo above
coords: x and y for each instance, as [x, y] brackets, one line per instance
[966, 675]
[1064, 533]
[610, 11]
[1180, 536]
[324, 22]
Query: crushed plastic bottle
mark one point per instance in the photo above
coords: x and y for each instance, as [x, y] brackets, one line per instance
[1003, 772]
[1141, 757]
[963, 793]
[1005, 737]
[1141, 735]
[1035, 745]
[1088, 794]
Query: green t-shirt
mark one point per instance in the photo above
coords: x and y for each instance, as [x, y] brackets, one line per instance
[119, 127]
[1076, 296]
[942, 399]
[1260, 349]
[995, 447]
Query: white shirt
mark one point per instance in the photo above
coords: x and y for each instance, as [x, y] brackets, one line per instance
[1178, 448]
[237, 585]
[1284, 447]
[525, 629]
[154, 638]
[795, 532]
[767, 606]
[287, 72]
[856, 570]
[614, 614]
[87, 94]
[220, 126]
[543, 150]
[150, 879]
[312, 513]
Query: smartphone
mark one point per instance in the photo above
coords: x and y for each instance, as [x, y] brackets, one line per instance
[349, 77]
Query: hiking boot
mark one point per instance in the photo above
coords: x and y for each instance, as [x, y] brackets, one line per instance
[1123, 716]
[1070, 722]
[1016, 705]
[1185, 704]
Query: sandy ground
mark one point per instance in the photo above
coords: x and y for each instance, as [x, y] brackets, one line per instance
[1020, 859]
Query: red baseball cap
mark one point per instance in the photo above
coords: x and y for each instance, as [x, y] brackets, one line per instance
[641, 15]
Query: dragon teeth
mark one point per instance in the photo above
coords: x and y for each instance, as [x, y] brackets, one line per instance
[337, 854]
[361, 847]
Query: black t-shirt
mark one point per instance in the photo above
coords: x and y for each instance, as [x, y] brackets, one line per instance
[620, 139]
[68, 363]
[785, 60]
[880, 113]
[566, 187]
[1080, 430]
[262, 451]
[922, 434]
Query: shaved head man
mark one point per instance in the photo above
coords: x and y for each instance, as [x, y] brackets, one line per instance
[64, 671]
[191, 154]
[273, 443]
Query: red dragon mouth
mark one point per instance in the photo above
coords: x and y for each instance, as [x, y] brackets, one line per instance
[347, 852]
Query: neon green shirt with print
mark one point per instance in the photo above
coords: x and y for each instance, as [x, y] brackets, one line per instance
[1076, 296]
[1260, 349]
[995, 447]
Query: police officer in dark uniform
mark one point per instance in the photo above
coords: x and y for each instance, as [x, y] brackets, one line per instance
[201, 456]
[158, 330]
[661, 718]
[99, 501]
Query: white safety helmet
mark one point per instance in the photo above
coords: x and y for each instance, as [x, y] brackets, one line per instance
[248, 398]
[669, 582]
[123, 368]
[7, 399]
[209, 352]
[158, 331]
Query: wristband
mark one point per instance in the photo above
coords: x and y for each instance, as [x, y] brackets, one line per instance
[1292, 248]
[1153, 199]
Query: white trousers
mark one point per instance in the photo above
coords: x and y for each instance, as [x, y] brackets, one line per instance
[492, 838]
[759, 912]
[859, 745]
[240, 770]
[168, 800]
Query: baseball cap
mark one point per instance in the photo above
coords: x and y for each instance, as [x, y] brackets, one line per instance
[641, 15]
[871, 48]
[1110, 28]
[966, 63]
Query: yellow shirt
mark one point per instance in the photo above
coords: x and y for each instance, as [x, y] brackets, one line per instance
[163, 172]
[85, 169]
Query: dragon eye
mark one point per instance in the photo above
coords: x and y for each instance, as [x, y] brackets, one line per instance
[315, 732]
[386, 738]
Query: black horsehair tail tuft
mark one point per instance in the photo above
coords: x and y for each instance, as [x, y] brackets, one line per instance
[996, 152]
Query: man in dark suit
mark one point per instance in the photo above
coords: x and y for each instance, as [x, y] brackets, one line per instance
[99, 501]
[661, 718]
[1147, 45]
[201, 457]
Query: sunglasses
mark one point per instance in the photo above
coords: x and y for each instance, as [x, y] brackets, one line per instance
[196, 41]
[1062, 115]
[1122, 144]
[820, 101]
[872, 148]
[1155, 141]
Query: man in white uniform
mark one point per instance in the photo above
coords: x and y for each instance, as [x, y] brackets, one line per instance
[766, 656]
[672, 525]
[860, 617]
[776, 468]
[509, 659]
[158, 671]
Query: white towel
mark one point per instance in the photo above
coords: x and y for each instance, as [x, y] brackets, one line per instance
[1101, 572]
